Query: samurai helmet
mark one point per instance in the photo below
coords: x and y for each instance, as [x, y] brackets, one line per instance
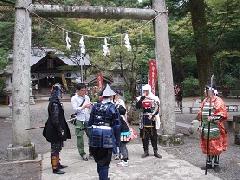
[57, 91]
[214, 90]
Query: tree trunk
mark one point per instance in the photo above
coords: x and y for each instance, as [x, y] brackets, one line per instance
[203, 55]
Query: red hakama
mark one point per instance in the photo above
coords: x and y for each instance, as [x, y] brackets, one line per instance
[219, 144]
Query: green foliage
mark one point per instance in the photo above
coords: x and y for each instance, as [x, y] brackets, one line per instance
[227, 69]
[127, 96]
[3, 58]
[5, 45]
[190, 86]
[2, 86]
[182, 48]
[230, 81]
[189, 64]
[6, 35]
[223, 22]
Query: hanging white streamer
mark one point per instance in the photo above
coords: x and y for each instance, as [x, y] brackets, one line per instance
[127, 43]
[68, 41]
[82, 45]
[106, 51]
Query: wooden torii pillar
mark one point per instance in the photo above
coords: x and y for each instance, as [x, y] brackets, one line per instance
[22, 55]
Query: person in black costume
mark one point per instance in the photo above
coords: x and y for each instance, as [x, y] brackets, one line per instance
[104, 116]
[125, 136]
[56, 128]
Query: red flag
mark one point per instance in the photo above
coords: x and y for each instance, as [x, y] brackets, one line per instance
[152, 74]
[100, 81]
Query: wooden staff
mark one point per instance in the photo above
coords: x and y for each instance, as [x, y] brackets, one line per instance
[210, 113]
[39, 127]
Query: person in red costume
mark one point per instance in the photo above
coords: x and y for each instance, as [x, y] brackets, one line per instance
[148, 103]
[218, 134]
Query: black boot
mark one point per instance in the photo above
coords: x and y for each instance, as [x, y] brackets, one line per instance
[145, 154]
[60, 166]
[216, 164]
[55, 162]
[157, 155]
[209, 163]
[58, 171]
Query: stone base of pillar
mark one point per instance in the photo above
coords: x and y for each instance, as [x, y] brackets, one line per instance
[18, 153]
[170, 140]
[27, 169]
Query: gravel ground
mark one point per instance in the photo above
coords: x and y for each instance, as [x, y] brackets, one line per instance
[190, 151]
[229, 160]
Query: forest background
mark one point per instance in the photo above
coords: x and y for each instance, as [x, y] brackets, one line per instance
[204, 39]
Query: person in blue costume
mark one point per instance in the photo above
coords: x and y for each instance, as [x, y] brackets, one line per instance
[56, 129]
[103, 118]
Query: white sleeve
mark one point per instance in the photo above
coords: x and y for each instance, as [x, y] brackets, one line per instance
[75, 105]
[122, 103]
[87, 99]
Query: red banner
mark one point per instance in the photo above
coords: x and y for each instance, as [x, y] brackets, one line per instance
[100, 81]
[152, 74]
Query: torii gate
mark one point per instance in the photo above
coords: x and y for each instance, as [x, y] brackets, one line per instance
[22, 54]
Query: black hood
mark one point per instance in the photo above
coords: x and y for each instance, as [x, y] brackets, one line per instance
[56, 93]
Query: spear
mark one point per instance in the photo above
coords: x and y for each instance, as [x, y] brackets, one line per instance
[210, 113]
[39, 127]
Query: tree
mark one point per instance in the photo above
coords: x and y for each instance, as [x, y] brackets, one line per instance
[200, 29]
